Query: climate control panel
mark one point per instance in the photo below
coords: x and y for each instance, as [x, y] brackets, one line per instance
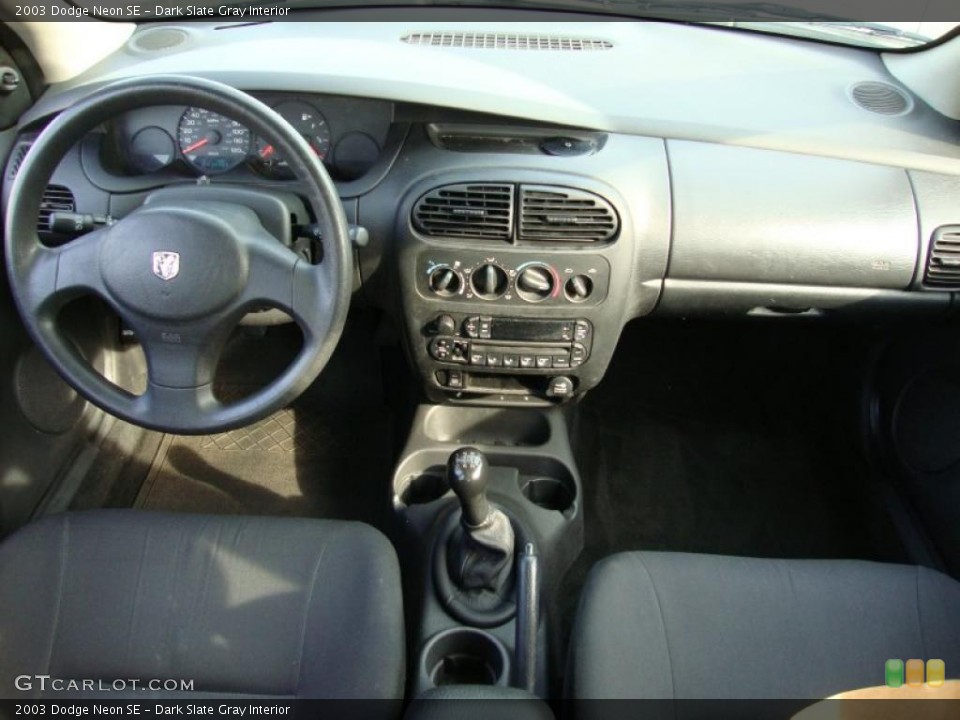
[566, 280]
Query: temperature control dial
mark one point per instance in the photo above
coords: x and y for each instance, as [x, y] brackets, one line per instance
[445, 281]
[536, 282]
[489, 281]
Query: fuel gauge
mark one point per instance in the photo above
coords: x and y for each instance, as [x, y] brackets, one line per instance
[307, 121]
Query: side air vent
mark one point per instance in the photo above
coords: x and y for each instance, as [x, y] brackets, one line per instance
[943, 268]
[56, 198]
[16, 160]
[556, 214]
[881, 98]
[505, 41]
[481, 211]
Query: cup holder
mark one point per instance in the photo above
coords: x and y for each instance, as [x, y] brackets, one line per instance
[464, 656]
[423, 487]
[550, 493]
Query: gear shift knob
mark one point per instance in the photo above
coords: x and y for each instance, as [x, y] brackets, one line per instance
[467, 471]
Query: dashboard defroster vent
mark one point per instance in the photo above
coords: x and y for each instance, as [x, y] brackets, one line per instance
[943, 267]
[153, 40]
[505, 41]
[881, 98]
[56, 198]
[481, 211]
[557, 214]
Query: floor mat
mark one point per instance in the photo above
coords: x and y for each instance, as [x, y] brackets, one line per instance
[328, 455]
[299, 461]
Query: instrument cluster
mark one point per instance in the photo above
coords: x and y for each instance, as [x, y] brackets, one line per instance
[348, 135]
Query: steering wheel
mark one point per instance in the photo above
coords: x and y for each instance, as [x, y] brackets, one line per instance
[182, 275]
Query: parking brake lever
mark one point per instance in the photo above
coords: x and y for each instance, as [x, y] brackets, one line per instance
[528, 619]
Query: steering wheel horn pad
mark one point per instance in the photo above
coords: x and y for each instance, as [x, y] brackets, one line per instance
[180, 275]
[174, 263]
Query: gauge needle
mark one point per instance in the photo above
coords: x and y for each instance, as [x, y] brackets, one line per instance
[196, 146]
[266, 152]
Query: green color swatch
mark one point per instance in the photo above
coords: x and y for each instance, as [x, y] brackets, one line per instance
[894, 673]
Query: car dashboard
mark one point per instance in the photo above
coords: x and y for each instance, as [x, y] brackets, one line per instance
[523, 201]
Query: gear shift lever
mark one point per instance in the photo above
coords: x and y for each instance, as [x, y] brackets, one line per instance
[467, 473]
[480, 553]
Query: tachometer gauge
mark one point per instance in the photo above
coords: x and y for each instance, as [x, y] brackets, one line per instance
[210, 142]
[307, 121]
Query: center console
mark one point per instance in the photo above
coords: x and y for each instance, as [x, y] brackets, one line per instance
[512, 292]
[488, 508]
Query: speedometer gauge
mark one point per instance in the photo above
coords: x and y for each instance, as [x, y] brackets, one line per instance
[307, 121]
[210, 142]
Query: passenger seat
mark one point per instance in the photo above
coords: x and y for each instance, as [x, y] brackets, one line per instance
[655, 625]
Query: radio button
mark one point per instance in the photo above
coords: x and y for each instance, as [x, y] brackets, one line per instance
[582, 331]
[440, 348]
[544, 361]
[471, 327]
[494, 359]
[458, 352]
[561, 361]
[511, 361]
[578, 353]
[478, 357]
[527, 361]
[486, 327]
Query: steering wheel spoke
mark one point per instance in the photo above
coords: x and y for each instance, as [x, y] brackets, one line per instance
[282, 279]
[54, 276]
[173, 405]
[182, 355]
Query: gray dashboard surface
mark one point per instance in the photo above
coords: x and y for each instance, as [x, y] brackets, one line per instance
[779, 191]
[659, 79]
[767, 217]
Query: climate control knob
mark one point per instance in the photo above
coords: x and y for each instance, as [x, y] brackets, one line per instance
[536, 283]
[445, 281]
[578, 288]
[489, 281]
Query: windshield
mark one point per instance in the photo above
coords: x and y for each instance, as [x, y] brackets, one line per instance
[801, 18]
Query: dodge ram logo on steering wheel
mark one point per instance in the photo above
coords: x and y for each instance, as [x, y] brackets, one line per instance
[166, 264]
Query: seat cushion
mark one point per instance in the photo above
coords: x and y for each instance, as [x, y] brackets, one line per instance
[672, 625]
[473, 702]
[241, 606]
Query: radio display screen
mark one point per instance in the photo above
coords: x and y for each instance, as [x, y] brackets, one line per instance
[535, 330]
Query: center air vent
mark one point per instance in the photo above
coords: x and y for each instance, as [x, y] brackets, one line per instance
[943, 268]
[56, 198]
[555, 214]
[482, 211]
[505, 41]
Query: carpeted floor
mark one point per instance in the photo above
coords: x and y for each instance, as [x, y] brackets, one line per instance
[329, 455]
[728, 438]
[306, 460]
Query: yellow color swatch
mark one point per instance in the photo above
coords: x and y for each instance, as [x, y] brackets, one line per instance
[914, 673]
[936, 673]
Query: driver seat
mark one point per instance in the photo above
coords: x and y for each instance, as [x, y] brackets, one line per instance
[242, 607]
